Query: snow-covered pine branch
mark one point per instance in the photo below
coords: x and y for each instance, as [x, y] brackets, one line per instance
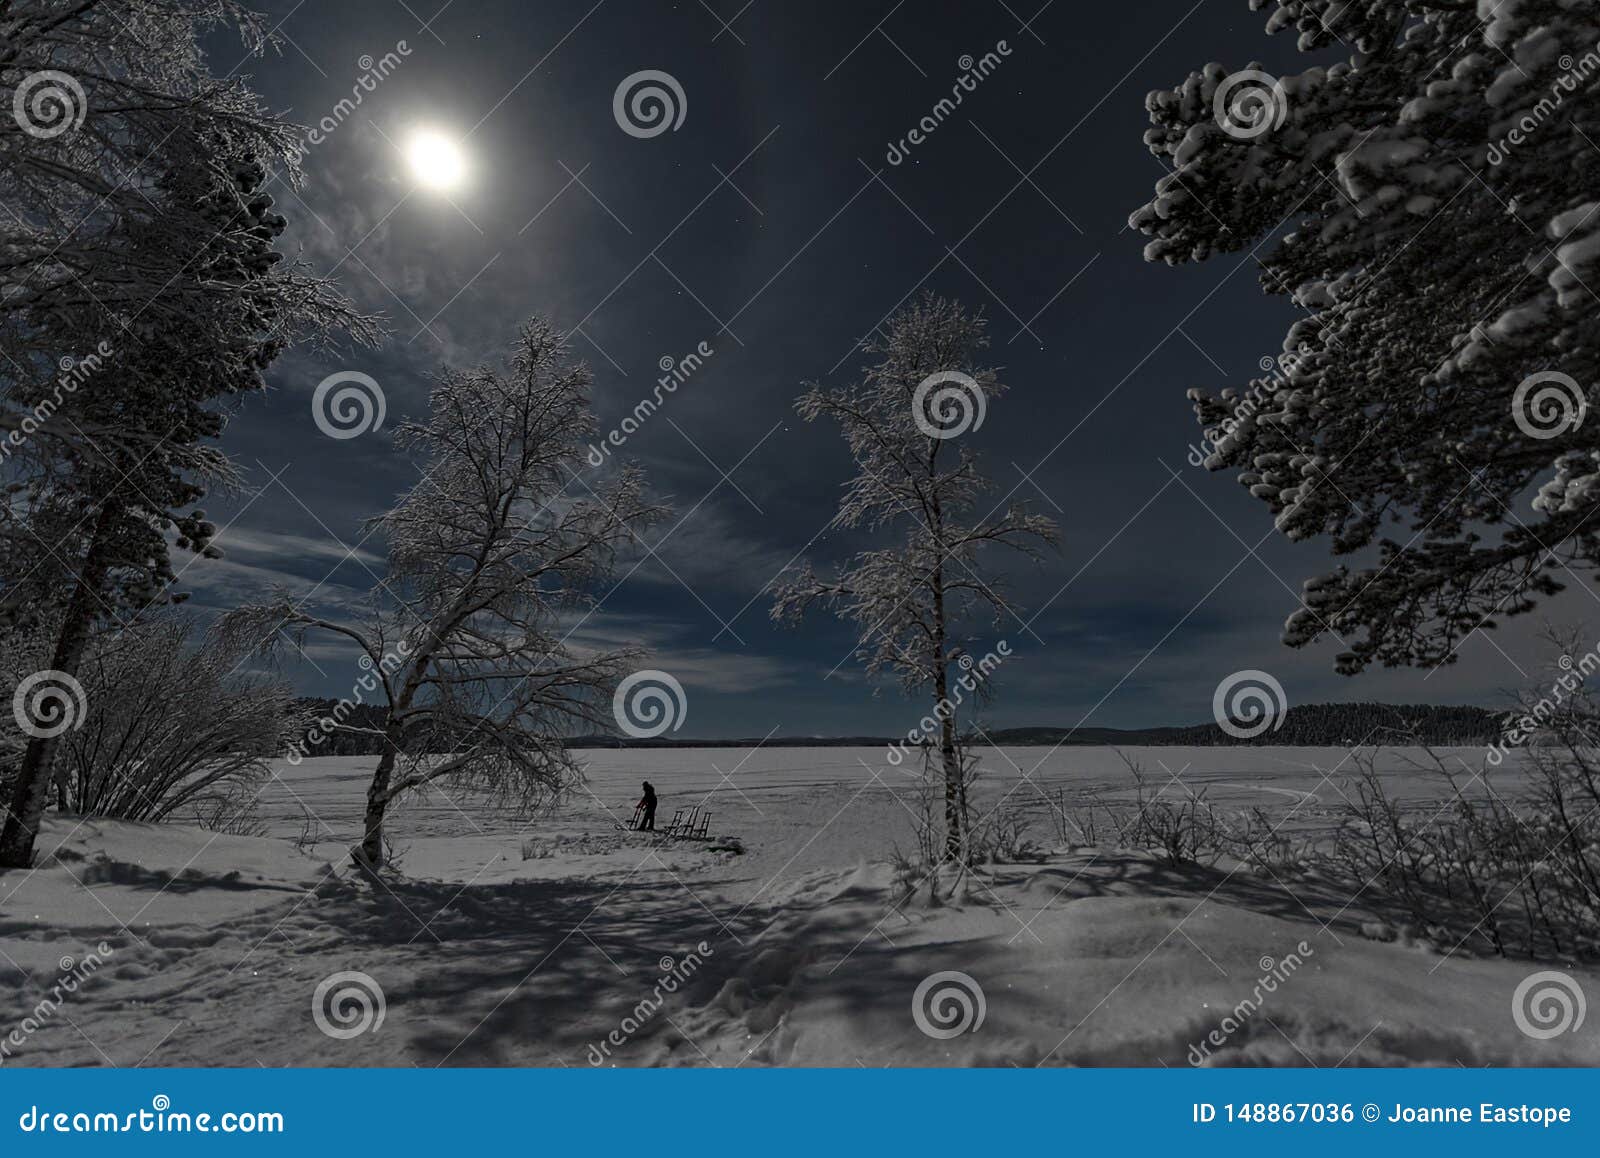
[138, 249]
[1442, 194]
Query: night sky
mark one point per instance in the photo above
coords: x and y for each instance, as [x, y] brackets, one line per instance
[771, 226]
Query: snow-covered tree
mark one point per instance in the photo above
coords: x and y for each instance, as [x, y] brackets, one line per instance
[106, 104]
[912, 600]
[1439, 186]
[468, 647]
[140, 252]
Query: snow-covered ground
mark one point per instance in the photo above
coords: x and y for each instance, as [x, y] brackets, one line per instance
[565, 941]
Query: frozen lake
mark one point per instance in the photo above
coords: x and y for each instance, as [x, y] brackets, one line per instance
[831, 807]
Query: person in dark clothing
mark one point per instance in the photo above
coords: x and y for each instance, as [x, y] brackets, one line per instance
[647, 823]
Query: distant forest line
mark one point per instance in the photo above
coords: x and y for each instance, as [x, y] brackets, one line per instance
[1307, 726]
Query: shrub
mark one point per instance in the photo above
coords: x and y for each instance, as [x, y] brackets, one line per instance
[173, 731]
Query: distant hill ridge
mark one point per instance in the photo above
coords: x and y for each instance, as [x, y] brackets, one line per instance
[1306, 725]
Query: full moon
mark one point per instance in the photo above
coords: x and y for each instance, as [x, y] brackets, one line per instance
[435, 160]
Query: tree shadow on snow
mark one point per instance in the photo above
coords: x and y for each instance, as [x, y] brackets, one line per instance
[535, 972]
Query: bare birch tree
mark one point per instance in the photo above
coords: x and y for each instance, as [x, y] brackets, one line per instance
[468, 646]
[910, 600]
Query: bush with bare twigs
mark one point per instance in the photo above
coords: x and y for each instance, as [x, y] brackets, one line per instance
[173, 730]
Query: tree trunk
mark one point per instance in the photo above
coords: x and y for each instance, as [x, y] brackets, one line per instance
[951, 763]
[369, 854]
[947, 727]
[31, 793]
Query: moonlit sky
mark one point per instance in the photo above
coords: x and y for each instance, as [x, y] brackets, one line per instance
[770, 226]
